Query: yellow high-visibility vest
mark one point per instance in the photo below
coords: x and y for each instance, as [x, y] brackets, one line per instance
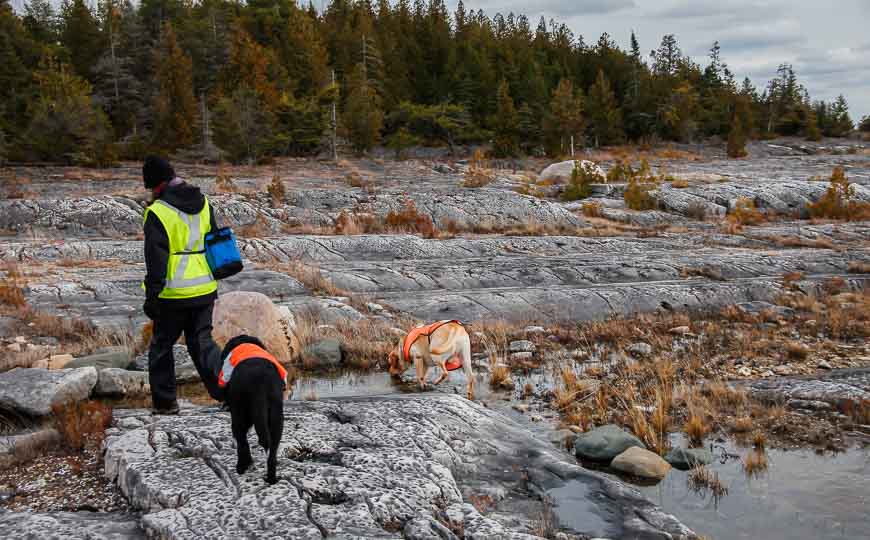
[187, 274]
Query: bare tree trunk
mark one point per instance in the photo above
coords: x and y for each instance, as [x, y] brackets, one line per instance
[334, 125]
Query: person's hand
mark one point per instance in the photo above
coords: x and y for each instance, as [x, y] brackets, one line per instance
[151, 308]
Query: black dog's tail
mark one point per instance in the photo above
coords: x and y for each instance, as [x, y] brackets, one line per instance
[261, 420]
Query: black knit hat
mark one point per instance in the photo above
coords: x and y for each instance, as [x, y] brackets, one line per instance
[155, 171]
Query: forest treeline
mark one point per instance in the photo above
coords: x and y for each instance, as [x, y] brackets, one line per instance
[249, 81]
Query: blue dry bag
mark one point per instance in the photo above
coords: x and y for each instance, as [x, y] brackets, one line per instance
[222, 253]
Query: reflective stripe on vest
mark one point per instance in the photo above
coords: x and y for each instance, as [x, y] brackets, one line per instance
[177, 285]
[243, 352]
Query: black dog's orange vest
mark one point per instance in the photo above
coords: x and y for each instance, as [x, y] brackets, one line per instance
[243, 352]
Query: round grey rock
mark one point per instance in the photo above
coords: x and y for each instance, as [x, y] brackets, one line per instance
[604, 443]
[325, 353]
[686, 458]
[33, 391]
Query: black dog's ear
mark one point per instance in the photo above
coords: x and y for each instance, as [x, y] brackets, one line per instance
[240, 340]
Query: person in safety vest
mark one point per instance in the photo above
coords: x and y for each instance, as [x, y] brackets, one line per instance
[179, 289]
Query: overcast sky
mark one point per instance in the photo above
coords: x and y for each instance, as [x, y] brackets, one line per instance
[827, 41]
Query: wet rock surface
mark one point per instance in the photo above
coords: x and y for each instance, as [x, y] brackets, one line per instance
[71, 525]
[832, 387]
[373, 468]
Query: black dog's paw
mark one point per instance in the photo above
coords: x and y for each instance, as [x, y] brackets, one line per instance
[272, 479]
[243, 465]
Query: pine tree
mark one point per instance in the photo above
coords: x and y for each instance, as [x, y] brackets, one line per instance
[175, 110]
[65, 123]
[81, 37]
[566, 117]
[841, 122]
[604, 119]
[242, 126]
[363, 116]
[737, 135]
[529, 128]
[41, 21]
[505, 123]
[864, 126]
[812, 131]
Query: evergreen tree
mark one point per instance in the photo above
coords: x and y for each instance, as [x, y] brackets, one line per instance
[65, 123]
[505, 123]
[604, 119]
[363, 116]
[81, 36]
[737, 135]
[566, 117]
[41, 21]
[864, 126]
[175, 110]
[242, 126]
[812, 131]
[841, 122]
[529, 129]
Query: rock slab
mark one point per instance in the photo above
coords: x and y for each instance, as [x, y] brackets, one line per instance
[605, 443]
[70, 525]
[114, 382]
[379, 467]
[33, 391]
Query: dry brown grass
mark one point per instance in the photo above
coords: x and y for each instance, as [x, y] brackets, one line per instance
[82, 423]
[310, 276]
[592, 209]
[696, 429]
[745, 213]
[12, 286]
[276, 190]
[680, 183]
[839, 201]
[408, 218]
[742, 424]
[796, 350]
[790, 279]
[799, 242]
[223, 182]
[478, 173]
[704, 271]
[755, 463]
[759, 440]
[702, 480]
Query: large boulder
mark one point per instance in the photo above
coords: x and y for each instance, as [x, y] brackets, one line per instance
[254, 314]
[562, 171]
[115, 382]
[325, 353]
[33, 391]
[642, 463]
[604, 443]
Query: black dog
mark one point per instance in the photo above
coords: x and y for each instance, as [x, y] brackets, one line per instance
[255, 396]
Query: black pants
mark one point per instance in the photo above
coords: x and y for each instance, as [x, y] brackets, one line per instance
[196, 324]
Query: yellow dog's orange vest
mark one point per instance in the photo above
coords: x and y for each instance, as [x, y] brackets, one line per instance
[427, 331]
[244, 352]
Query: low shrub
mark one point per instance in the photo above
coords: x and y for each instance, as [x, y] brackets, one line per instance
[478, 173]
[82, 423]
[745, 213]
[838, 201]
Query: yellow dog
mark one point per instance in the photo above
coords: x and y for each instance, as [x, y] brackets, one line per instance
[445, 344]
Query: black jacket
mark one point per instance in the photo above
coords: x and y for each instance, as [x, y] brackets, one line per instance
[190, 200]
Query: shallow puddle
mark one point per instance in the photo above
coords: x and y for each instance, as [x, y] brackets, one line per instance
[802, 495]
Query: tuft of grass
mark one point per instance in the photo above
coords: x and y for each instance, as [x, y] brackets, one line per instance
[759, 440]
[82, 423]
[12, 287]
[410, 219]
[312, 278]
[592, 209]
[276, 190]
[796, 350]
[755, 463]
[701, 480]
[680, 183]
[742, 424]
[478, 173]
[839, 202]
[696, 429]
[745, 213]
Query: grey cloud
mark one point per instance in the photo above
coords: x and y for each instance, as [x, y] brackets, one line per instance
[713, 11]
